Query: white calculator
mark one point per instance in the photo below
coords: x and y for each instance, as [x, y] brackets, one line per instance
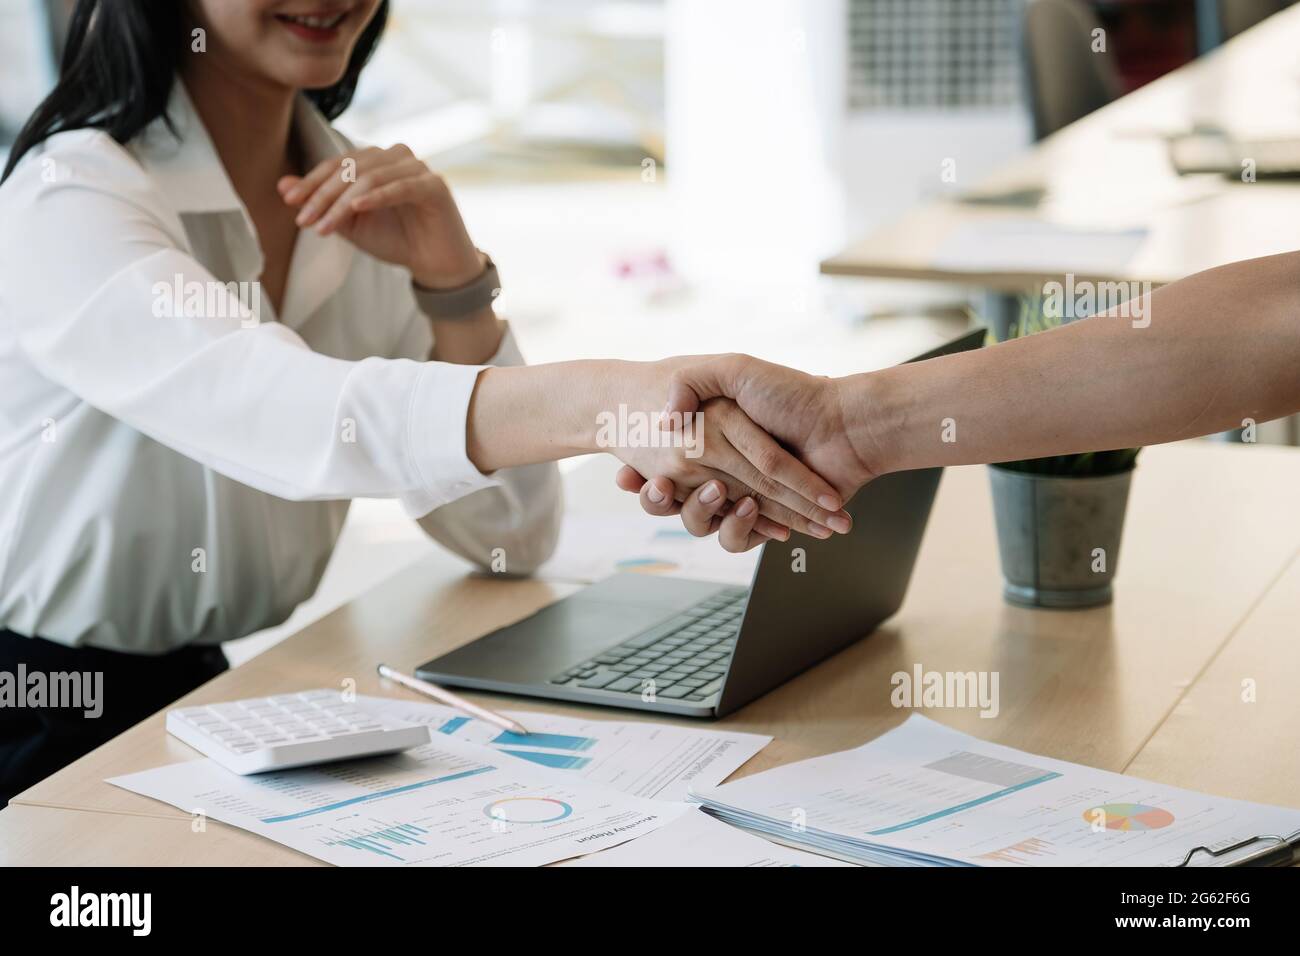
[290, 730]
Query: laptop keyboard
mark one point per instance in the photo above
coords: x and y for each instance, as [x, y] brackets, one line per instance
[686, 656]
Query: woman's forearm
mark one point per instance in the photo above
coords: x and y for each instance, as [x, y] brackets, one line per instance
[469, 341]
[1222, 348]
[534, 413]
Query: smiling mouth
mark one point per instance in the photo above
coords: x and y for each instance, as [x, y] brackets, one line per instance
[313, 26]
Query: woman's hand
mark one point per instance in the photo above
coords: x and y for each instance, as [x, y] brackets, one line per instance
[392, 206]
[705, 511]
[734, 477]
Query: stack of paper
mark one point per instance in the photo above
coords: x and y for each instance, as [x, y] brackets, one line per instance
[924, 795]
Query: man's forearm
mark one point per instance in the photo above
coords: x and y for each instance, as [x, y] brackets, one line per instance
[1222, 346]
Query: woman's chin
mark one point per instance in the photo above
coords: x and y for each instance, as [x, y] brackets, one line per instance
[312, 76]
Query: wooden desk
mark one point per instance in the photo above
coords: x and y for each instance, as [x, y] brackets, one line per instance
[48, 836]
[1253, 745]
[1111, 170]
[1208, 587]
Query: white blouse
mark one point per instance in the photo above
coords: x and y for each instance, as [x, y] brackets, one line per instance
[174, 469]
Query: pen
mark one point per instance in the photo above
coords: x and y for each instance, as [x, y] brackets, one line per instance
[453, 700]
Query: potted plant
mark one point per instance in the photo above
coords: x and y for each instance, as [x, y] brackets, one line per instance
[1059, 519]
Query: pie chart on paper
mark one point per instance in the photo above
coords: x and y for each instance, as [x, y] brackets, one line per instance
[1130, 816]
[528, 810]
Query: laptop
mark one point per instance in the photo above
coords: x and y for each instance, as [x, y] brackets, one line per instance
[703, 649]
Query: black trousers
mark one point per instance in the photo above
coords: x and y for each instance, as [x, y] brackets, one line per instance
[37, 741]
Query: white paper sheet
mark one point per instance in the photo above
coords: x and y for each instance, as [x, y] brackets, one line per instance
[696, 839]
[923, 794]
[659, 761]
[447, 803]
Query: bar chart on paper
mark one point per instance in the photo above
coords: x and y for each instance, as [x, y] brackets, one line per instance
[1032, 850]
[649, 760]
[557, 751]
[382, 839]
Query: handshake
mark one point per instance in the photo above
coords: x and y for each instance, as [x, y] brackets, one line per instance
[750, 450]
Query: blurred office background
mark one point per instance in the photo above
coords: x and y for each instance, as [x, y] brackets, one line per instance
[657, 177]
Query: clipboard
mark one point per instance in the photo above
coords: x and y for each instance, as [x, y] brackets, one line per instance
[1255, 851]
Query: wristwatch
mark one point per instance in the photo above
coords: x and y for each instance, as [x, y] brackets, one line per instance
[463, 301]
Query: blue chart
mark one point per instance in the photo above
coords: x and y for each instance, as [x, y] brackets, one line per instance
[453, 725]
[549, 741]
[568, 748]
[546, 759]
[1008, 777]
[506, 739]
[385, 840]
[557, 751]
[528, 809]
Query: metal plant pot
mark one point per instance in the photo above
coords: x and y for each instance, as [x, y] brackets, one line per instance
[1058, 537]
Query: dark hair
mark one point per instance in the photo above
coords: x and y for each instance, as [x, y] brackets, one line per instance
[120, 61]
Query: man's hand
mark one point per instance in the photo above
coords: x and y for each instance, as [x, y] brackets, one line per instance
[804, 412]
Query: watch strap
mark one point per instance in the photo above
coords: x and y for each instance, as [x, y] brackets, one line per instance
[461, 302]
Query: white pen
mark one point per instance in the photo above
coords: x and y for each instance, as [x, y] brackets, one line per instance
[452, 700]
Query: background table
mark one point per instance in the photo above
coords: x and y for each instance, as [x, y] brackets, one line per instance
[1111, 170]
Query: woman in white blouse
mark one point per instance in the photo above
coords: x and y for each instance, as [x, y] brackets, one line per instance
[220, 321]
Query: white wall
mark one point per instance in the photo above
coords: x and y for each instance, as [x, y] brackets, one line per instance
[767, 169]
[755, 92]
[26, 70]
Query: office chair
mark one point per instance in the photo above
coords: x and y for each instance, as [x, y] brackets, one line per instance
[1065, 80]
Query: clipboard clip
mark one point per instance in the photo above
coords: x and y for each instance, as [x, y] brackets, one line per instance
[1272, 851]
